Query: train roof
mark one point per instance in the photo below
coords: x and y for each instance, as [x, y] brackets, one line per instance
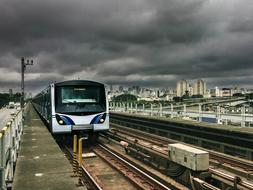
[79, 82]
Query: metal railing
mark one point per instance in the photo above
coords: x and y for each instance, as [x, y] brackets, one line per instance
[10, 137]
[243, 118]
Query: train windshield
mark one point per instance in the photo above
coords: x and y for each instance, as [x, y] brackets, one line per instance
[80, 100]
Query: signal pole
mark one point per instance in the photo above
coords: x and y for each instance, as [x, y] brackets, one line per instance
[24, 63]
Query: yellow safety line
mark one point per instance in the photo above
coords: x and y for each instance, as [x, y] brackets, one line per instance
[4, 129]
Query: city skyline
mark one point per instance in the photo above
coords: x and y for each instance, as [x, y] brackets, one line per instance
[144, 43]
[174, 87]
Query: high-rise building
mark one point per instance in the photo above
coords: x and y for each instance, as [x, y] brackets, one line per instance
[182, 87]
[199, 87]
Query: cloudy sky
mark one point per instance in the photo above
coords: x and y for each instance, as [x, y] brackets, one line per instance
[135, 42]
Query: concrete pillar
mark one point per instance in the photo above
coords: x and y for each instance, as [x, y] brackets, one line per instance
[152, 110]
[131, 107]
[161, 110]
[200, 113]
[136, 108]
[143, 108]
[124, 107]
[171, 109]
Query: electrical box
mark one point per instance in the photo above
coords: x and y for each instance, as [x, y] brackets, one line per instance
[192, 158]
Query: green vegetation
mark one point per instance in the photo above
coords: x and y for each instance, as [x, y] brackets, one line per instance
[5, 99]
[125, 98]
[186, 97]
[249, 96]
[197, 96]
[177, 99]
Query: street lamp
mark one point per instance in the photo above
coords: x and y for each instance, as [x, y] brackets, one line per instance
[24, 63]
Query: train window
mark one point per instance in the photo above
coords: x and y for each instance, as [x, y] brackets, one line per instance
[80, 99]
[77, 95]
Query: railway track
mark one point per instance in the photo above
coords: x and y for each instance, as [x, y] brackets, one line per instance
[221, 140]
[159, 144]
[136, 177]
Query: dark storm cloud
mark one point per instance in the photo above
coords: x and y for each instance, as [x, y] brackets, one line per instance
[145, 42]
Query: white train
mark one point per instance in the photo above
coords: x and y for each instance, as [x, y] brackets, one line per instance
[76, 105]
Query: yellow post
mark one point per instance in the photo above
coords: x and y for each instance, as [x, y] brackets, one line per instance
[80, 160]
[75, 164]
[80, 150]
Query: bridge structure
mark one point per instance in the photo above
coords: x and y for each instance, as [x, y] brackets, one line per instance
[32, 158]
[29, 156]
[220, 117]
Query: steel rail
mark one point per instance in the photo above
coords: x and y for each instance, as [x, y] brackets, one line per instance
[191, 131]
[159, 141]
[231, 178]
[243, 164]
[153, 180]
[92, 182]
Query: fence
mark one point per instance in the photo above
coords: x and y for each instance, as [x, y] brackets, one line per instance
[10, 137]
[243, 118]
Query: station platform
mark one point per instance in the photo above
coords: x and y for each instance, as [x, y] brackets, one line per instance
[41, 163]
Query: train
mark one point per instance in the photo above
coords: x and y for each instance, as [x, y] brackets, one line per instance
[74, 106]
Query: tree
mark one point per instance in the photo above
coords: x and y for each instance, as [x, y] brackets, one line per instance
[197, 96]
[238, 95]
[249, 96]
[125, 98]
[186, 95]
[177, 99]
[5, 99]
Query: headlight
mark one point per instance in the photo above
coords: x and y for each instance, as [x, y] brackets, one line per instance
[61, 122]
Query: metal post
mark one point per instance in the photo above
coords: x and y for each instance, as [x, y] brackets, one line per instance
[131, 107]
[161, 110]
[2, 160]
[80, 160]
[22, 82]
[151, 109]
[143, 108]
[113, 106]
[172, 110]
[243, 116]
[23, 67]
[184, 110]
[136, 108]
[12, 149]
[200, 111]
[218, 114]
[75, 164]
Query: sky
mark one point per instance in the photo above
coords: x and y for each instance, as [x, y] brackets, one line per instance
[150, 43]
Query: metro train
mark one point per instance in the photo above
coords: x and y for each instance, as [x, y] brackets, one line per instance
[74, 106]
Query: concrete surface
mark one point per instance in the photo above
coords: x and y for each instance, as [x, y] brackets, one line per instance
[41, 163]
[195, 123]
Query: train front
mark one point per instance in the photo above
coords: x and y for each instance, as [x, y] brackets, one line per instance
[79, 106]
